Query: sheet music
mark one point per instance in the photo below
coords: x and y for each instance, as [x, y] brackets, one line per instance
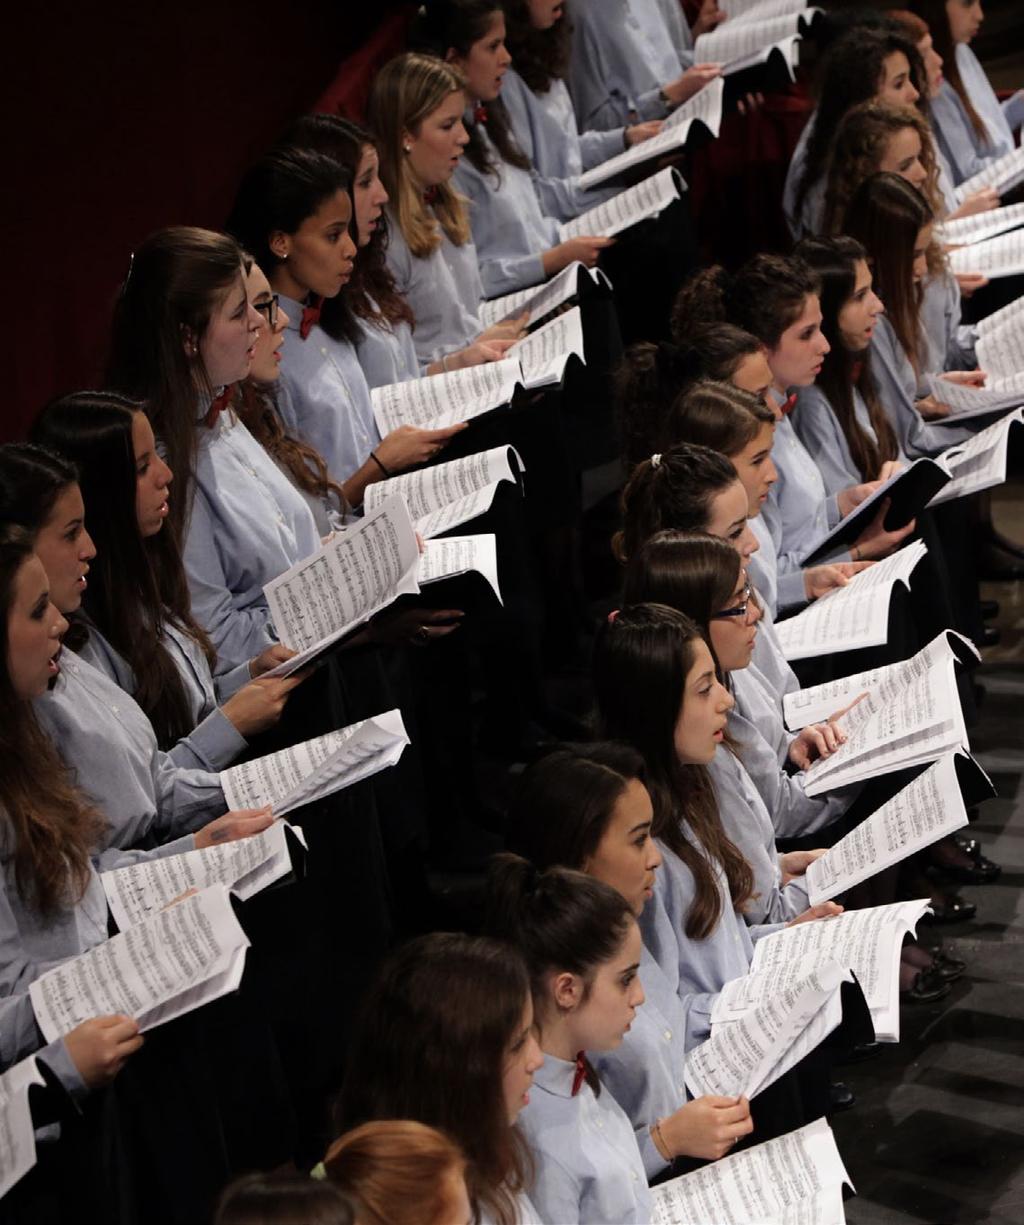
[440, 400]
[462, 510]
[981, 462]
[921, 722]
[17, 1135]
[172, 962]
[762, 10]
[430, 489]
[1002, 350]
[1011, 313]
[967, 402]
[459, 554]
[819, 702]
[922, 813]
[705, 106]
[314, 768]
[962, 231]
[543, 354]
[856, 615]
[1003, 174]
[995, 257]
[357, 573]
[867, 941]
[542, 300]
[746, 1055]
[245, 867]
[762, 1185]
[646, 199]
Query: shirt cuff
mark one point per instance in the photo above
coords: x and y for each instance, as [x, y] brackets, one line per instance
[228, 684]
[58, 1059]
[791, 589]
[216, 742]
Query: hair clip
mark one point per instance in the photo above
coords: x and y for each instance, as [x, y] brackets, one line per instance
[613, 615]
[656, 459]
[128, 274]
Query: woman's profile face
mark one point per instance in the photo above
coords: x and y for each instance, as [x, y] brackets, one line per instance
[895, 84]
[433, 151]
[702, 718]
[902, 156]
[227, 346]
[34, 630]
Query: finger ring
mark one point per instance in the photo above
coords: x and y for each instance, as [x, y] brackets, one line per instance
[422, 634]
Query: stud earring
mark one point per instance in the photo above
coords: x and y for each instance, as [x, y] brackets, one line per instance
[408, 148]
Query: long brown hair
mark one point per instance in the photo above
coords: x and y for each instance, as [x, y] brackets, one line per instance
[177, 277]
[835, 261]
[859, 147]
[642, 658]
[49, 831]
[717, 415]
[430, 1044]
[539, 56]
[396, 1171]
[885, 215]
[933, 16]
[404, 92]
[305, 466]
[138, 585]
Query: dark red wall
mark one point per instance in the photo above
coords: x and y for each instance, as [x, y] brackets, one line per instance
[118, 119]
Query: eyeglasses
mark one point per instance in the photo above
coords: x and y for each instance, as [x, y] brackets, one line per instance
[268, 310]
[740, 610]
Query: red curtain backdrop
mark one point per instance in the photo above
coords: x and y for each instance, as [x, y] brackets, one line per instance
[121, 118]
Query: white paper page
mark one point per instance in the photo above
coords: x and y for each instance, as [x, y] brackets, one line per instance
[182, 953]
[17, 1135]
[787, 48]
[459, 554]
[762, 10]
[965, 230]
[245, 867]
[868, 941]
[539, 301]
[705, 106]
[922, 813]
[1006, 315]
[317, 767]
[445, 399]
[995, 257]
[429, 489]
[1003, 351]
[883, 491]
[462, 510]
[736, 40]
[967, 402]
[357, 573]
[646, 199]
[918, 724]
[1003, 174]
[543, 354]
[981, 462]
[756, 1185]
[745, 1055]
[856, 615]
[819, 702]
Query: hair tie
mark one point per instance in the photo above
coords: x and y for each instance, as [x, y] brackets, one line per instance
[613, 615]
[656, 459]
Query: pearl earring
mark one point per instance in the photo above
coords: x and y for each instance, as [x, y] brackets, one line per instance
[408, 148]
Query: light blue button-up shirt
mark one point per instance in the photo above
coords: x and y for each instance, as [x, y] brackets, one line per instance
[387, 353]
[215, 742]
[815, 420]
[510, 231]
[248, 524]
[963, 150]
[328, 402]
[444, 290]
[983, 97]
[544, 125]
[587, 1167]
[799, 511]
[622, 54]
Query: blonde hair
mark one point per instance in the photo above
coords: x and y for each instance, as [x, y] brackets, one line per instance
[857, 151]
[405, 92]
[396, 1171]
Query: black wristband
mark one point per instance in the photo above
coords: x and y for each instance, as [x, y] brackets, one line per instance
[379, 464]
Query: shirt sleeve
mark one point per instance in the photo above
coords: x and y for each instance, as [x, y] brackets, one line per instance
[212, 745]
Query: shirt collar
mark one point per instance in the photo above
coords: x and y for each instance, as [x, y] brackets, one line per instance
[556, 1075]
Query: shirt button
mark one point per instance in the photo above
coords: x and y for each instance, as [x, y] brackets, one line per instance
[115, 709]
[668, 1035]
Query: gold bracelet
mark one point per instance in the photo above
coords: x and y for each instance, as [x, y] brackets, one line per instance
[659, 1140]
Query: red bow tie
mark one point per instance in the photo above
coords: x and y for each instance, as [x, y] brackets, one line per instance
[580, 1075]
[479, 113]
[787, 405]
[218, 404]
[310, 316]
[431, 194]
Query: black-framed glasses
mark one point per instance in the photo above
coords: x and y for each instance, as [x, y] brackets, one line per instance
[740, 610]
[268, 310]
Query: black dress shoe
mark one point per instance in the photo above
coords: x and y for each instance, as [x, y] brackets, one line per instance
[989, 609]
[1000, 565]
[926, 988]
[840, 1097]
[981, 872]
[990, 635]
[949, 969]
[968, 843]
[951, 909]
[860, 1052]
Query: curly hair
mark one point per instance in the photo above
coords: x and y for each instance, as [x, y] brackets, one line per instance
[858, 149]
[540, 56]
